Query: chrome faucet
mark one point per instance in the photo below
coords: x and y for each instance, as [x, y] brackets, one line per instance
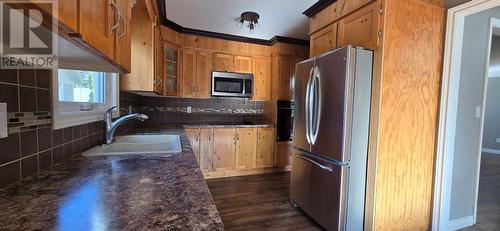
[111, 126]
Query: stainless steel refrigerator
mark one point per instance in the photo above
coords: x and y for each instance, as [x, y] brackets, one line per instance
[332, 95]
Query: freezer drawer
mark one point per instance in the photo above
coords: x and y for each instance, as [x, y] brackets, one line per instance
[319, 188]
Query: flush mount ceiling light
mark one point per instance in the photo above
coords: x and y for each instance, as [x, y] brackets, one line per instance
[252, 18]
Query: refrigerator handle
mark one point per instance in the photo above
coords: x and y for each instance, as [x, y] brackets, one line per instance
[308, 106]
[322, 166]
[317, 110]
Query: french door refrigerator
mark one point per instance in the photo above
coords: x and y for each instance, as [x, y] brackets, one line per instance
[332, 95]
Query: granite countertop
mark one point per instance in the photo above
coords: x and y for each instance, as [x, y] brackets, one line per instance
[149, 192]
[229, 125]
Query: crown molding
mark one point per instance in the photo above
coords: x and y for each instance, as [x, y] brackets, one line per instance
[162, 10]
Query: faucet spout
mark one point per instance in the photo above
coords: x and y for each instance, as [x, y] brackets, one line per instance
[111, 126]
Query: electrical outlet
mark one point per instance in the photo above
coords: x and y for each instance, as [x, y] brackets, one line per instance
[189, 110]
[498, 140]
[3, 120]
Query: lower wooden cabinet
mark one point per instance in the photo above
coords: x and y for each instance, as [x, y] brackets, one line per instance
[223, 152]
[224, 149]
[246, 148]
[265, 147]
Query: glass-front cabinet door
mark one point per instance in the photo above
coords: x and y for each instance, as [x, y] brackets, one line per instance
[171, 70]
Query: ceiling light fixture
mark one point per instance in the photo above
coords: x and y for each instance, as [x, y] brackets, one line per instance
[252, 18]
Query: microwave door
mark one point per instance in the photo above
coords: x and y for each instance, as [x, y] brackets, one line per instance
[300, 131]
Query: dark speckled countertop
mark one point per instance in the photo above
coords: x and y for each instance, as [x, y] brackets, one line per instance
[150, 192]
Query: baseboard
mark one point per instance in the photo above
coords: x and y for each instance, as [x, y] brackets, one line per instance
[461, 223]
[491, 151]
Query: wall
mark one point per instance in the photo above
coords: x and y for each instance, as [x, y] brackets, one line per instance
[492, 115]
[174, 110]
[32, 144]
[472, 74]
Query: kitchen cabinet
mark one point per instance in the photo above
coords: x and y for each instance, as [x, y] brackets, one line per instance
[196, 74]
[223, 62]
[142, 76]
[246, 148]
[283, 70]
[203, 74]
[171, 69]
[98, 23]
[266, 139]
[122, 36]
[262, 79]
[224, 149]
[206, 150]
[194, 139]
[242, 64]
[323, 40]
[361, 28]
[68, 14]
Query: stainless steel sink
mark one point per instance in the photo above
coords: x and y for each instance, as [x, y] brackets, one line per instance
[139, 145]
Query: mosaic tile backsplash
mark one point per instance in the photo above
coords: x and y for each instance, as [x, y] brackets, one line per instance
[175, 110]
[32, 144]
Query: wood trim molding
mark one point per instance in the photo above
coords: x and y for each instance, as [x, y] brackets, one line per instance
[318, 7]
[162, 11]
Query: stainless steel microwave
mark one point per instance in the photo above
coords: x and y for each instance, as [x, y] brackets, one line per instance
[227, 84]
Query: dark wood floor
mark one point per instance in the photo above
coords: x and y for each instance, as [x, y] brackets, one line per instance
[258, 202]
[488, 207]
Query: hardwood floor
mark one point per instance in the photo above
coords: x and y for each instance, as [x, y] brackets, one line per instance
[488, 208]
[259, 202]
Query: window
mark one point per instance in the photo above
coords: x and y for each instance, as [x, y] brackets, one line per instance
[83, 96]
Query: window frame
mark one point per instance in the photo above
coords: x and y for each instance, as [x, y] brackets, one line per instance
[69, 114]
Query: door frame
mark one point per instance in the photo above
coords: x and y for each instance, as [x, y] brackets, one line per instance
[448, 114]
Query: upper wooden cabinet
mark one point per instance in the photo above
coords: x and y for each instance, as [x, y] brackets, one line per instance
[283, 70]
[196, 70]
[334, 12]
[68, 13]
[171, 69]
[361, 28]
[223, 62]
[324, 40]
[262, 78]
[123, 35]
[242, 64]
[98, 23]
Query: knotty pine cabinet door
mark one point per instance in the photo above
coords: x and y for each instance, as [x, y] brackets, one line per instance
[194, 139]
[324, 40]
[203, 74]
[266, 140]
[224, 149]
[361, 28]
[97, 18]
[206, 150]
[188, 85]
[242, 64]
[246, 148]
[223, 62]
[262, 79]
[68, 13]
[123, 36]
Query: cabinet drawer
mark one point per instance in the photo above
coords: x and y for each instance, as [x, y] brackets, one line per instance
[361, 28]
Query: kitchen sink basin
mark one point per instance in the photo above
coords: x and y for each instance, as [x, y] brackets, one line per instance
[139, 145]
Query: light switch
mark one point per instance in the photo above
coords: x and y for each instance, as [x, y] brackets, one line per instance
[498, 140]
[478, 112]
[3, 121]
[189, 110]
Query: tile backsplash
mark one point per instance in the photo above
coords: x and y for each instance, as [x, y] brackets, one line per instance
[32, 144]
[175, 110]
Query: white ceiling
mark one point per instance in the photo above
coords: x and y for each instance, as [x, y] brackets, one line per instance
[277, 17]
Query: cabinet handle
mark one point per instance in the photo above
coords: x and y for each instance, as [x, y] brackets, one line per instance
[113, 4]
